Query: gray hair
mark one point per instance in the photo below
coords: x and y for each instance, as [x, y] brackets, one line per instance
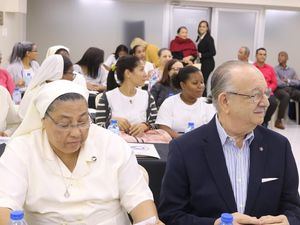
[247, 50]
[221, 80]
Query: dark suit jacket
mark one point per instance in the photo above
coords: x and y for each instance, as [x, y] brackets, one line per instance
[196, 186]
[207, 49]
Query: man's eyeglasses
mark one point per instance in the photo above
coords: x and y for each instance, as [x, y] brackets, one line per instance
[255, 97]
[68, 127]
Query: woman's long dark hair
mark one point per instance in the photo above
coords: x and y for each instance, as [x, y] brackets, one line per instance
[120, 48]
[92, 58]
[183, 75]
[208, 30]
[165, 79]
[124, 63]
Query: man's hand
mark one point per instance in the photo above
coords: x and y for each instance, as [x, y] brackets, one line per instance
[274, 220]
[241, 219]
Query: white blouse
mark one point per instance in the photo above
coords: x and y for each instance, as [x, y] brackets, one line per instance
[134, 108]
[105, 185]
[176, 114]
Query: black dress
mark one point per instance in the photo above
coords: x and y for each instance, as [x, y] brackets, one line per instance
[206, 47]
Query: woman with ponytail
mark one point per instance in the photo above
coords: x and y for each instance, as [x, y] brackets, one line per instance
[133, 108]
[23, 63]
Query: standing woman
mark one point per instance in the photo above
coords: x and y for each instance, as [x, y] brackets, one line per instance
[206, 49]
[23, 63]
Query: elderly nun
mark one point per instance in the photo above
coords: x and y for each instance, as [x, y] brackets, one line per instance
[61, 169]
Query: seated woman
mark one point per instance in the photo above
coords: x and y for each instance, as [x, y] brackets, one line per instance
[53, 68]
[61, 169]
[90, 65]
[111, 60]
[164, 88]
[64, 51]
[139, 51]
[133, 108]
[164, 55]
[188, 106]
[183, 48]
[22, 63]
[9, 118]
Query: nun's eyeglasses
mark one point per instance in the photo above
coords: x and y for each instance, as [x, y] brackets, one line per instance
[68, 127]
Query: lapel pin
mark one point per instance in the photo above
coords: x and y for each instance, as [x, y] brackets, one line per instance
[94, 158]
[261, 149]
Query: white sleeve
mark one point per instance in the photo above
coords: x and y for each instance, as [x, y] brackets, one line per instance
[164, 115]
[77, 68]
[132, 184]
[110, 60]
[13, 176]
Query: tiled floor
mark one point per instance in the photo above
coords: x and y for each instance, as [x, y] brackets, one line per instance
[292, 132]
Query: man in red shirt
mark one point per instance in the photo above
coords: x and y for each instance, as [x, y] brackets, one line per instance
[270, 77]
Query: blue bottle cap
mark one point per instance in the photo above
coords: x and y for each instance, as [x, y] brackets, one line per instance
[190, 123]
[16, 215]
[226, 218]
[113, 121]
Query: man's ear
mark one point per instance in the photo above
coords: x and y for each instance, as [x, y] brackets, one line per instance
[223, 102]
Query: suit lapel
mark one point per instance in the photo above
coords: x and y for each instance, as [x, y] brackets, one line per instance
[217, 164]
[258, 153]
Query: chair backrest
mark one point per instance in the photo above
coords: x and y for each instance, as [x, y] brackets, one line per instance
[98, 96]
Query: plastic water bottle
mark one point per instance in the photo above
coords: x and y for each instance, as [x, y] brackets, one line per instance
[27, 79]
[113, 127]
[153, 80]
[17, 218]
[17, 96]
[226, 219]
[190, 126]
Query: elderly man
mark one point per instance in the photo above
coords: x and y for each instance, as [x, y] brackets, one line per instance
[243, 54]
[232, 164]
[288, 82]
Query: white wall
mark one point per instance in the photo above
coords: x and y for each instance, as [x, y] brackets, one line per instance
[12, 31]
[282, 34]
[79, 24]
